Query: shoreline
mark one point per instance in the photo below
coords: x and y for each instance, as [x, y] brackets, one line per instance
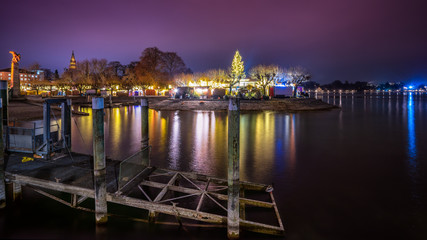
[286, 105]
[31, 108]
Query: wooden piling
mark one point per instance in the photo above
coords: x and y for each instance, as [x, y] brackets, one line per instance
[2, 179]
[144, 132]
[99, 160]
[66, 124]
[5, 101]
[46, 129]
[233, 217]
[145, 145]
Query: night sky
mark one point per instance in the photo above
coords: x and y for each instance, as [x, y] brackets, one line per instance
[363, 40]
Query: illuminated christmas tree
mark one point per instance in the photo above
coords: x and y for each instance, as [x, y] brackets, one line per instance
[237, 71]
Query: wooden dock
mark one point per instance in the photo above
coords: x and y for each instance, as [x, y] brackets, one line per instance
[184, 195]
[192, 199]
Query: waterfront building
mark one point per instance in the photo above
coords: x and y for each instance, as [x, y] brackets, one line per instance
[25, 76]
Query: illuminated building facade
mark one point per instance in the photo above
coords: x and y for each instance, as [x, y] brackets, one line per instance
[26, 77]
[72, 62]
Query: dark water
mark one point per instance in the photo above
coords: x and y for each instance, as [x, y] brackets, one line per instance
[359, 172]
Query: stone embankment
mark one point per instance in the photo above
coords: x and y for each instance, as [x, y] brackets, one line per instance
[287, 104]
[31, 108]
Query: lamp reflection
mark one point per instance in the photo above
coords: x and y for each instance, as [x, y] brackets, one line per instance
[175, 139]
[412, 148]
[203, 131]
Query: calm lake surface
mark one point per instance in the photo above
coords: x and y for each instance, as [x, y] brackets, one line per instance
[359, 172]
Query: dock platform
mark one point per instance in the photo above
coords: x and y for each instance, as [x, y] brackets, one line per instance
[183, 195]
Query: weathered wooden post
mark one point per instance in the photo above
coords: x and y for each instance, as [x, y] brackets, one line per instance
[2, 183]
[66, 123]
[46, 129]
[144, 132]
[145, 145]
[99, 160]
[233, 217]
[5, 100]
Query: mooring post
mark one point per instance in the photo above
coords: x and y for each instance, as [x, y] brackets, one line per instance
[233, 217]
[46, 129]
[144, 145]
[66, 123]
[144, 132]
[99, 160]
[5, 101]
[2, 179]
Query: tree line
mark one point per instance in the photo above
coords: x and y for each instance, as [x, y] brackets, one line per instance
[159, 69]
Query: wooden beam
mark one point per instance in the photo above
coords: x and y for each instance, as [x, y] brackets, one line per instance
[165, 188]
[204, 178]
[129, 186]
[25, 180]
[248, 201]
[166, 209]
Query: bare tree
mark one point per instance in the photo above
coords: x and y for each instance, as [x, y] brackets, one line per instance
[99, 72]
[265, 74]
[34, 66]
[149, 70]
[296, 76]
[115, 72]
[150, 61]
[172, 64]
[157, 68]
[117, 69]
[217, 76]
[129, 79]
[183, 79]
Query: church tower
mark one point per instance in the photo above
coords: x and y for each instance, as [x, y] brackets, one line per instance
[72, 62]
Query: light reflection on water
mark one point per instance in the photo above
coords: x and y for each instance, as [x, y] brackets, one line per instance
[355, 173]
[196, 141]
[327, 167]
[412, 147]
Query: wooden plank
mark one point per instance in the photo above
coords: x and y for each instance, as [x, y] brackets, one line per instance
[276, 211]
[204, 178]
[261, 228]
[248, 201]
[25, 180]
[165, 188]
[199, 205]
[166, 209]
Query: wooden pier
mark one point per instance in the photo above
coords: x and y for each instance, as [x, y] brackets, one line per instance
[190, 198]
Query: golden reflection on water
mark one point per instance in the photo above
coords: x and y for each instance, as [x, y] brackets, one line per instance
[201, 160]
[175, 139]
[197, 141]
[257, 144]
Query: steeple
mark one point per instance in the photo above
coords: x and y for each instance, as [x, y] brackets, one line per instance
[72, 62]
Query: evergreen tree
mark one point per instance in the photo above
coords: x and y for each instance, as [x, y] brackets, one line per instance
[237, 70]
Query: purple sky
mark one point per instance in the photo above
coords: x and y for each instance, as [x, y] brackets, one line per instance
[363, 40]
